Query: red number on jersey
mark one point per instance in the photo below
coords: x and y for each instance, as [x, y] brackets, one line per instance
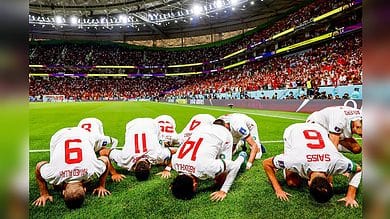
[144, 149]
[315, 136]
[193, 145]
[75, 150]
[165, 127]
[87, 126]
[194, 124]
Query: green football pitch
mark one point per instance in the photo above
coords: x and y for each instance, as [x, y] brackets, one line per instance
[251, 195]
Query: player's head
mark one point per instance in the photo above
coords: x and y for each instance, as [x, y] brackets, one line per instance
[320, 188]
[222, 123]
[184, 186]
[142, 169]
[219, 122]
[74, 194]
[357, 126]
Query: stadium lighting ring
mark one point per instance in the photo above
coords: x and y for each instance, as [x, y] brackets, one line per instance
[73, 20]
[197, 9]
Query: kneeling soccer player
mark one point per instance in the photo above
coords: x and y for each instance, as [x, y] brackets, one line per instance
[95, 127]
[244, 129]
[72, 163]
[310, 154]
[168, 133]
[206, 154]
[196, 122]
[142, 148]
[342, 122]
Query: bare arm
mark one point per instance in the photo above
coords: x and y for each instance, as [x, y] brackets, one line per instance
[101, 189]
[269, 169]
[351, 144]
[254, 149]
[232, 168]
[44, 192]
[115, 176]
[166, 173]
[352, 188]
[335, 138]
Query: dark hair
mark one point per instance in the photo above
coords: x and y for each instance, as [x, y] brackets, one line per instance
[183, 187]
[219, 122]
[321, 190]
[142, 170]
[74, 197]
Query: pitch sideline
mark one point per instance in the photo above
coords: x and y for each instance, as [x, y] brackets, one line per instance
[234, 111]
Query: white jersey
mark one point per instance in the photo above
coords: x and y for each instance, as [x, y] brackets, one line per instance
[307, 148]
[167, 128]
[95, 127]
[196, 122]
[203, 154]
[142, 140]
[241, 126]
[336, 119]
[71, 157]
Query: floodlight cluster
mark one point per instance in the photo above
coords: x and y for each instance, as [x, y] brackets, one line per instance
[139, 19]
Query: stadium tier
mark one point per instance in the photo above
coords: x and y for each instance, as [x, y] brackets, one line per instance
[335, 63]
[201, 103]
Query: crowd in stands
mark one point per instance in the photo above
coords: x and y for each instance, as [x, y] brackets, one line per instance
[71, 54]
[90, 88]
[337, 62]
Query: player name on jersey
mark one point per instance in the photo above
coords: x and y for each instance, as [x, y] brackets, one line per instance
[74, 172]
[352, 112]
[318, 157]
[184, 168]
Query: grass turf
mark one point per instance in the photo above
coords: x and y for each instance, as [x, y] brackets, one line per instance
[251, 195]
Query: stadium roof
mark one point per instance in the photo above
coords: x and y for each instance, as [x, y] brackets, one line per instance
[148, 19]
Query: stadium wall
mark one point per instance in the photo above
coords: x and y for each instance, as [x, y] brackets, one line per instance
[306, 106]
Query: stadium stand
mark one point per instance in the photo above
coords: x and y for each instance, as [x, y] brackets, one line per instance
[335, 62]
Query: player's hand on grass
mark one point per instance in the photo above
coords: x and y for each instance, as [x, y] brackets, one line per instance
[218, 196]
[282, 195]
[164, 174]
[117, 177]
[41, 201]
[101, 191]
[349, 202]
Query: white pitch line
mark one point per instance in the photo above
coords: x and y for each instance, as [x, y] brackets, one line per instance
[235, 111]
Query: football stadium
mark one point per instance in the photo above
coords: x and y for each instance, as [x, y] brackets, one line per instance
[281, 65]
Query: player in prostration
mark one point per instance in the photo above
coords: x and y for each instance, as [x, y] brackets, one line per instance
[142, 148]
[244, 128]
[342, 122]
[72, 163]
[168, 132]
[207, 154]
[95, 127]
[196, 122]
[310, 155]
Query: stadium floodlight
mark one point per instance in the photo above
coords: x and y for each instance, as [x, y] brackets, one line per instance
[233, 8]
[196, 9]
[58, 19]
[218, 4]
[102, 20]
[252, 2]
[73, 20]
[123, 18]
[234, 2]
